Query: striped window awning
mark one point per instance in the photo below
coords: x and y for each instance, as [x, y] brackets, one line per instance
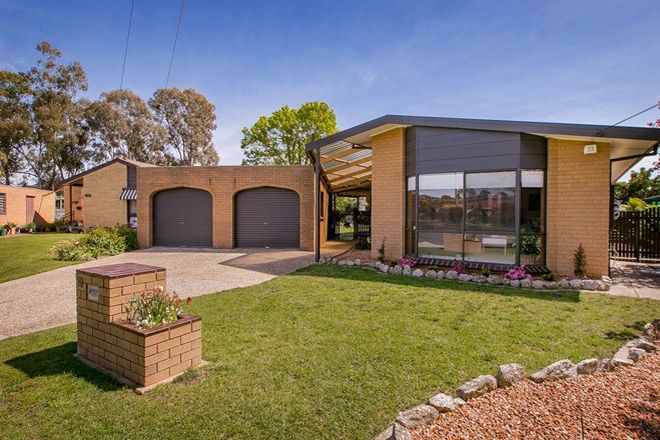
[128, 194]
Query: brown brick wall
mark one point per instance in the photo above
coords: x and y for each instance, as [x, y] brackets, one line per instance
[388, 192]
[15, 199]
[102, 206]
[224, 183]
[142, 357]
[73, 202]
[578, 194]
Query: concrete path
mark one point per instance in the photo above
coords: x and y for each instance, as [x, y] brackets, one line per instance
[636, 280]
[48, 299]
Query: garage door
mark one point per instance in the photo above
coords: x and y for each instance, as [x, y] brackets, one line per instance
[183, 217]
[267, 217]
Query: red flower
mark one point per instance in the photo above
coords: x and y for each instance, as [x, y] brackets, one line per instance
[177, 302]
[188, 300]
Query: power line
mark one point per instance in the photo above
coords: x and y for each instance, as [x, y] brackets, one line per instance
[602, 132]
[176, 37]
[128, 36]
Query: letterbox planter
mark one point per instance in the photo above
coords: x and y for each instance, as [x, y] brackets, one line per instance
[140, 358]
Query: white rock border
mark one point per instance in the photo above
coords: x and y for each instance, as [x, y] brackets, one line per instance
[510, 374]
[603, 284]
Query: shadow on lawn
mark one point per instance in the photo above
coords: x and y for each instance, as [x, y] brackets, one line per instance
[365, 274]
[633, 330]
[59, 360]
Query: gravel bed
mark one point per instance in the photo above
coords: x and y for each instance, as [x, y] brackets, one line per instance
[623, 404]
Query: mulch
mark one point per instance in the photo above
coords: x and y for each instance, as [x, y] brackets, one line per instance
[622, 404]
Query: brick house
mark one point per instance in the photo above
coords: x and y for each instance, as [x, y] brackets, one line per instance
[23, 205]
[488, 193]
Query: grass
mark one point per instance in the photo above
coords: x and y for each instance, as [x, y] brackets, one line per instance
[27, 254]
[326, 352]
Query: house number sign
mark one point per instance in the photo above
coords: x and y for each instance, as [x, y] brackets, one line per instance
[92, 293]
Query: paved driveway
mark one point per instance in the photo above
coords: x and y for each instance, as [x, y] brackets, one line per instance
[48, 299]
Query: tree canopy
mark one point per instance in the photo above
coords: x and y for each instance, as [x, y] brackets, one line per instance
[48, 132]
[280, 139]
[642, 184]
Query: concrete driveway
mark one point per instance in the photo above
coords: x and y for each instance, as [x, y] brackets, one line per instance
[48, 299]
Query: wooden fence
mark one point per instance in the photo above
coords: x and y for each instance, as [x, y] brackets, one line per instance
[636, 234]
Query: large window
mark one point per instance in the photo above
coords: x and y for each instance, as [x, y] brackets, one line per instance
[473, 216]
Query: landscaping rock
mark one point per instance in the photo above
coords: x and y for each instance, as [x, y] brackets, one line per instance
[451, 275]
[607, 280]
[509, 374]
[459, 402]
[649, 332]
[394, 432]
[514, 283]
[552, 285]
[642, 344]
[563, 369]
[588, 366]
[442, 402]
[396, 270]
[418, 273]
[506, 282]
[494, 279]
[590, 285]
[407, 270]
[479, 279]
[564, 284]
[575, 284]
[538, 284]
[358, 262]
[621, 362]
[345, 263]
[525, 284]
[606, 364]
[440, 275]
[635, 354]
[476, 387]
[431, 273]
[465, 277]
[417, 416]
[333, 261]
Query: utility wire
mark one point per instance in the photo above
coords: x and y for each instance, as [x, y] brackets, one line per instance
[176, 37]
[128, 36]
[602, 132]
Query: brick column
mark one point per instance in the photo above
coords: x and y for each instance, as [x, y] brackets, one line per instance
[578, 205]
[141, 356]
[388, 193]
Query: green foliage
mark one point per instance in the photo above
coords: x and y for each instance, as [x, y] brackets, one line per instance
[530, 244]
[345, 205]
[642, 184]
[154, 309]
[486, 272]
[363, 243]
[15, 124]
[579, 262]
[549, 276]
[130, 236]
[381, 251]
[98, 243]
[635, 204]
[280, 139]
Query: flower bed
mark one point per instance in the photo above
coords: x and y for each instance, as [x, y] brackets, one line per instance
[516, 277]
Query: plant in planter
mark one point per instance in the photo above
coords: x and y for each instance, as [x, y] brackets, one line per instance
[153, 309]
[518, 273]
[11, 228]
[30, 227]
[530, 248]
[407, 261]
[486, 272]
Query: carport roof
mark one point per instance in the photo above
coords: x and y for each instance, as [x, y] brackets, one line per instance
[627, 141]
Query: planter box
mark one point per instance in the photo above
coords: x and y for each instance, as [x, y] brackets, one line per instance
[106, 341]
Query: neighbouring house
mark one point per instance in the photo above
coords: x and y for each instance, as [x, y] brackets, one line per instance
[24, 205]
[485, 192]
[105, 195]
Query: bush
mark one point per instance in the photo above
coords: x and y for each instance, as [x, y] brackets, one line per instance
[517, 273]
[580, 262]
[98, 243]
[407, 261]
[363, 244]
[549, 276]
[530, 245]
[155, 309]
[486, 272]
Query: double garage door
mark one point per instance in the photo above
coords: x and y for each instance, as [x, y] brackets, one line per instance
[263, 217]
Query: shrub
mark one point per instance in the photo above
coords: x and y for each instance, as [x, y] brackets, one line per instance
[579, 262]
[153, 309]
[98, 243]
[549, 276]
[486, 272]
[363, 244]
[407, 261]
[381, 252]
[530, 245]
[517, 273]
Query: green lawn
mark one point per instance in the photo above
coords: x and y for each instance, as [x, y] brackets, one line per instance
[327, 352]
[26, 254]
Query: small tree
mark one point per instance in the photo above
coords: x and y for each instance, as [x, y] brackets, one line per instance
[579, 262]
[381, 251]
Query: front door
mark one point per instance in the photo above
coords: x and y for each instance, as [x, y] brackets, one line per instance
[29, 209]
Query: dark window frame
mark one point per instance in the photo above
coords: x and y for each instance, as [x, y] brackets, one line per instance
[3, 203]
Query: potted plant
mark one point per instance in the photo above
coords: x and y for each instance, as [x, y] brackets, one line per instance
[3, 231]
[30, 227]
[11, 228]
[530, 248]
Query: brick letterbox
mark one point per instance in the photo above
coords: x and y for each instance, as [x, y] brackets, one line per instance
[106, 341]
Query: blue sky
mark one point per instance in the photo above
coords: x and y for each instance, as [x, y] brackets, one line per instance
[563, 61]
